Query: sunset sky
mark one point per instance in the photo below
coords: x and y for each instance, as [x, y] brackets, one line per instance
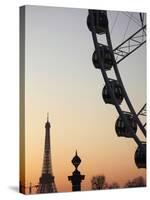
[61, 79]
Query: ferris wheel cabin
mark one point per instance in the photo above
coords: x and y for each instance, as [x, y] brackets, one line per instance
[100, 21]
[124, 131]
[105, 56]
[140, 156]
[116, 89]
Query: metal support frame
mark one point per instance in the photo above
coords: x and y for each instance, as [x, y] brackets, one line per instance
[130, 45]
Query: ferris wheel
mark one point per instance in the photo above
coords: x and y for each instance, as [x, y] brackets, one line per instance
[106, 59]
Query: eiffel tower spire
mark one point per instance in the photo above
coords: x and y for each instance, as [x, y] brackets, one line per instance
[46, 181]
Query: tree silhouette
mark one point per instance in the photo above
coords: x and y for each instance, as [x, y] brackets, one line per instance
[136, 182]
[114, 185]
[98, 182]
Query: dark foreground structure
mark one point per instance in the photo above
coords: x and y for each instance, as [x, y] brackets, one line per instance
[76, 177]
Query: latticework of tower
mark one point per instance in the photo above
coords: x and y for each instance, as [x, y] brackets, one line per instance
[46, 181]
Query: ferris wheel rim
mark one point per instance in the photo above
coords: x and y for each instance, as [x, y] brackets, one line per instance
[117, 73]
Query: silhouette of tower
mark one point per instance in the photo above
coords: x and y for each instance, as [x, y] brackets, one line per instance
[76, 177]
[46, 181]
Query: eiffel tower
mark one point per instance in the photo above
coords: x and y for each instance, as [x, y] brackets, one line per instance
[46, 181]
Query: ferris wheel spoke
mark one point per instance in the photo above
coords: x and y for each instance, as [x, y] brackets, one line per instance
[142, 110]
[131, 44]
